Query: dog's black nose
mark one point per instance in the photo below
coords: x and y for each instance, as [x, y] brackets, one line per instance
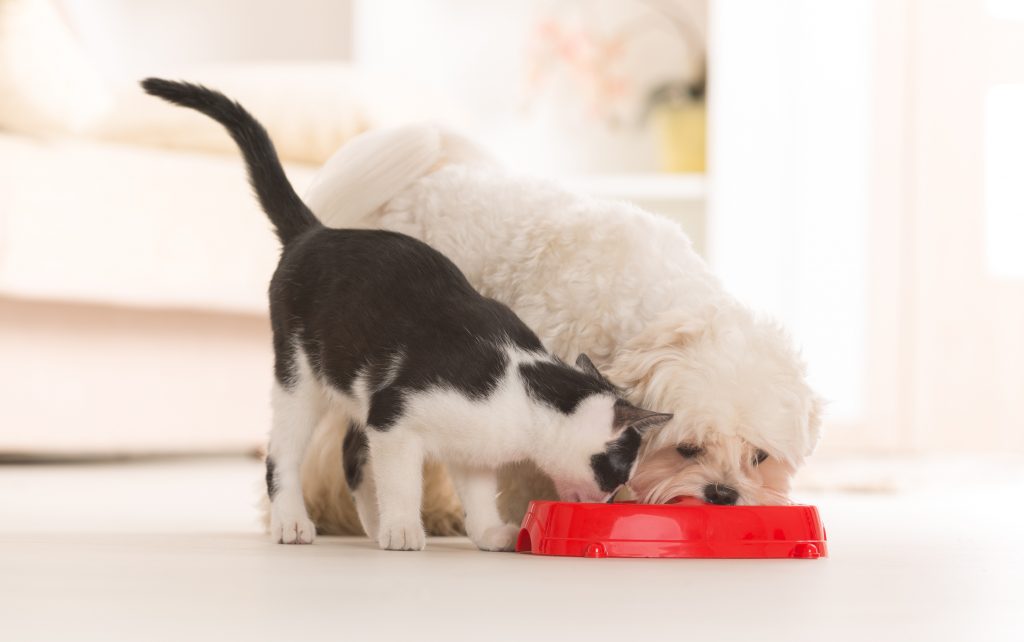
[720, 494]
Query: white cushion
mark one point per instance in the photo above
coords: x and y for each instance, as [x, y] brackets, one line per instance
[133, 226]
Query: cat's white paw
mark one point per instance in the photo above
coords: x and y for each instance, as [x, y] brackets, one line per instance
[402, 537]
[291, 527]
[498, 538]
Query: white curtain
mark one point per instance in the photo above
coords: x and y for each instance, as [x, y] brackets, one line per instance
[867, 189]
[789, 138]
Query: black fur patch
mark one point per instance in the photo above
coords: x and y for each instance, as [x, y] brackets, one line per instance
[386, 407]
[612, 468]
[284, 358]
[355, 449]
[362, 301]
[559, 386]
[271, 479]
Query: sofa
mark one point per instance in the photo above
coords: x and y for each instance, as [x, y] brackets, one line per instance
[133, 259]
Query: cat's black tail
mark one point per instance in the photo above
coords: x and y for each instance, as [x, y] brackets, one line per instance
[286, 210]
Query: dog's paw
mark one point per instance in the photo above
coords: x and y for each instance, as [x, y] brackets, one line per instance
[402, 537]
[291, 527]
[498, 538]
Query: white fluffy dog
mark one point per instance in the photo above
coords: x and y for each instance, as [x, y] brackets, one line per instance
[588, 275]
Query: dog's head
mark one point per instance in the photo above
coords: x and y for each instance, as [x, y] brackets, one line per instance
[744, 415]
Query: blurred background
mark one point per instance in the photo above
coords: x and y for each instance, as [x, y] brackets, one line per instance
[855, 168]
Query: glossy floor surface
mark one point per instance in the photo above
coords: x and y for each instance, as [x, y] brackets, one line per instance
[173, 551]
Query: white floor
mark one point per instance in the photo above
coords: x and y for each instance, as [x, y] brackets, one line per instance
[172, 551]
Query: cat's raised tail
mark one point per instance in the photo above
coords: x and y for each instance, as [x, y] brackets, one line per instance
[286, 210]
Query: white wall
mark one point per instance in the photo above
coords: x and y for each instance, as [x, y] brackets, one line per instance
[484, 54]
[968, 344]
[867, 189]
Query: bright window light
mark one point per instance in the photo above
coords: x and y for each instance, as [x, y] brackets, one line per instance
[790, 183]
[1004, 180]
[1005, 9]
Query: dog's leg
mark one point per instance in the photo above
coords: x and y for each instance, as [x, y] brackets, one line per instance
[296, 413]
[397, 470]
[478, 489]
[355, 455]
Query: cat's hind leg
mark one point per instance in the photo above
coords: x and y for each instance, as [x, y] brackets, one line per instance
[355, 456]
[297, 409]
[397, 470]
[478, 490]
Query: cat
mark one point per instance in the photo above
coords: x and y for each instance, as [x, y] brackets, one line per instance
[387, 331]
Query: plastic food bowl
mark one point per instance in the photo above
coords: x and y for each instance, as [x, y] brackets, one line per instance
[685, 528]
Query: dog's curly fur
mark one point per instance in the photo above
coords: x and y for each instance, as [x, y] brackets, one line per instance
[588, 275]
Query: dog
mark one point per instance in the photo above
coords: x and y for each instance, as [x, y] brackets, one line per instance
[589, 275]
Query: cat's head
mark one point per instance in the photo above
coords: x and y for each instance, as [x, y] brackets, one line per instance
[604, 433]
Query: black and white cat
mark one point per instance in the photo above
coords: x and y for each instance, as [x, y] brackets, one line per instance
[385, 330]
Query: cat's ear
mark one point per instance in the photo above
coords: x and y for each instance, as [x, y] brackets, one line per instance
[629, 416]
[587, 366]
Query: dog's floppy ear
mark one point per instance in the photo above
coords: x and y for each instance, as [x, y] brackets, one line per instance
[629, 416]
[659, 344]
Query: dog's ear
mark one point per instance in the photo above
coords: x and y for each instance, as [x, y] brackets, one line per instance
[660, 344]
[629, 416]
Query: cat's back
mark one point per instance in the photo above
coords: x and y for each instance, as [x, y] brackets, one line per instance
[371, 260]
[375, 278]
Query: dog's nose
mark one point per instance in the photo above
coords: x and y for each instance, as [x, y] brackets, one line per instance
[720, 494]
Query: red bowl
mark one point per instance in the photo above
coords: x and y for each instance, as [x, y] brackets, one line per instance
[686, 528]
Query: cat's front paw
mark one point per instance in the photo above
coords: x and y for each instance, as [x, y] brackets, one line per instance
[402, 537]
[291, 527]
[498, 538]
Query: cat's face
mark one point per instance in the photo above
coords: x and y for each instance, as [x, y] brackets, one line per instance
[607, 432]
[594, 452]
